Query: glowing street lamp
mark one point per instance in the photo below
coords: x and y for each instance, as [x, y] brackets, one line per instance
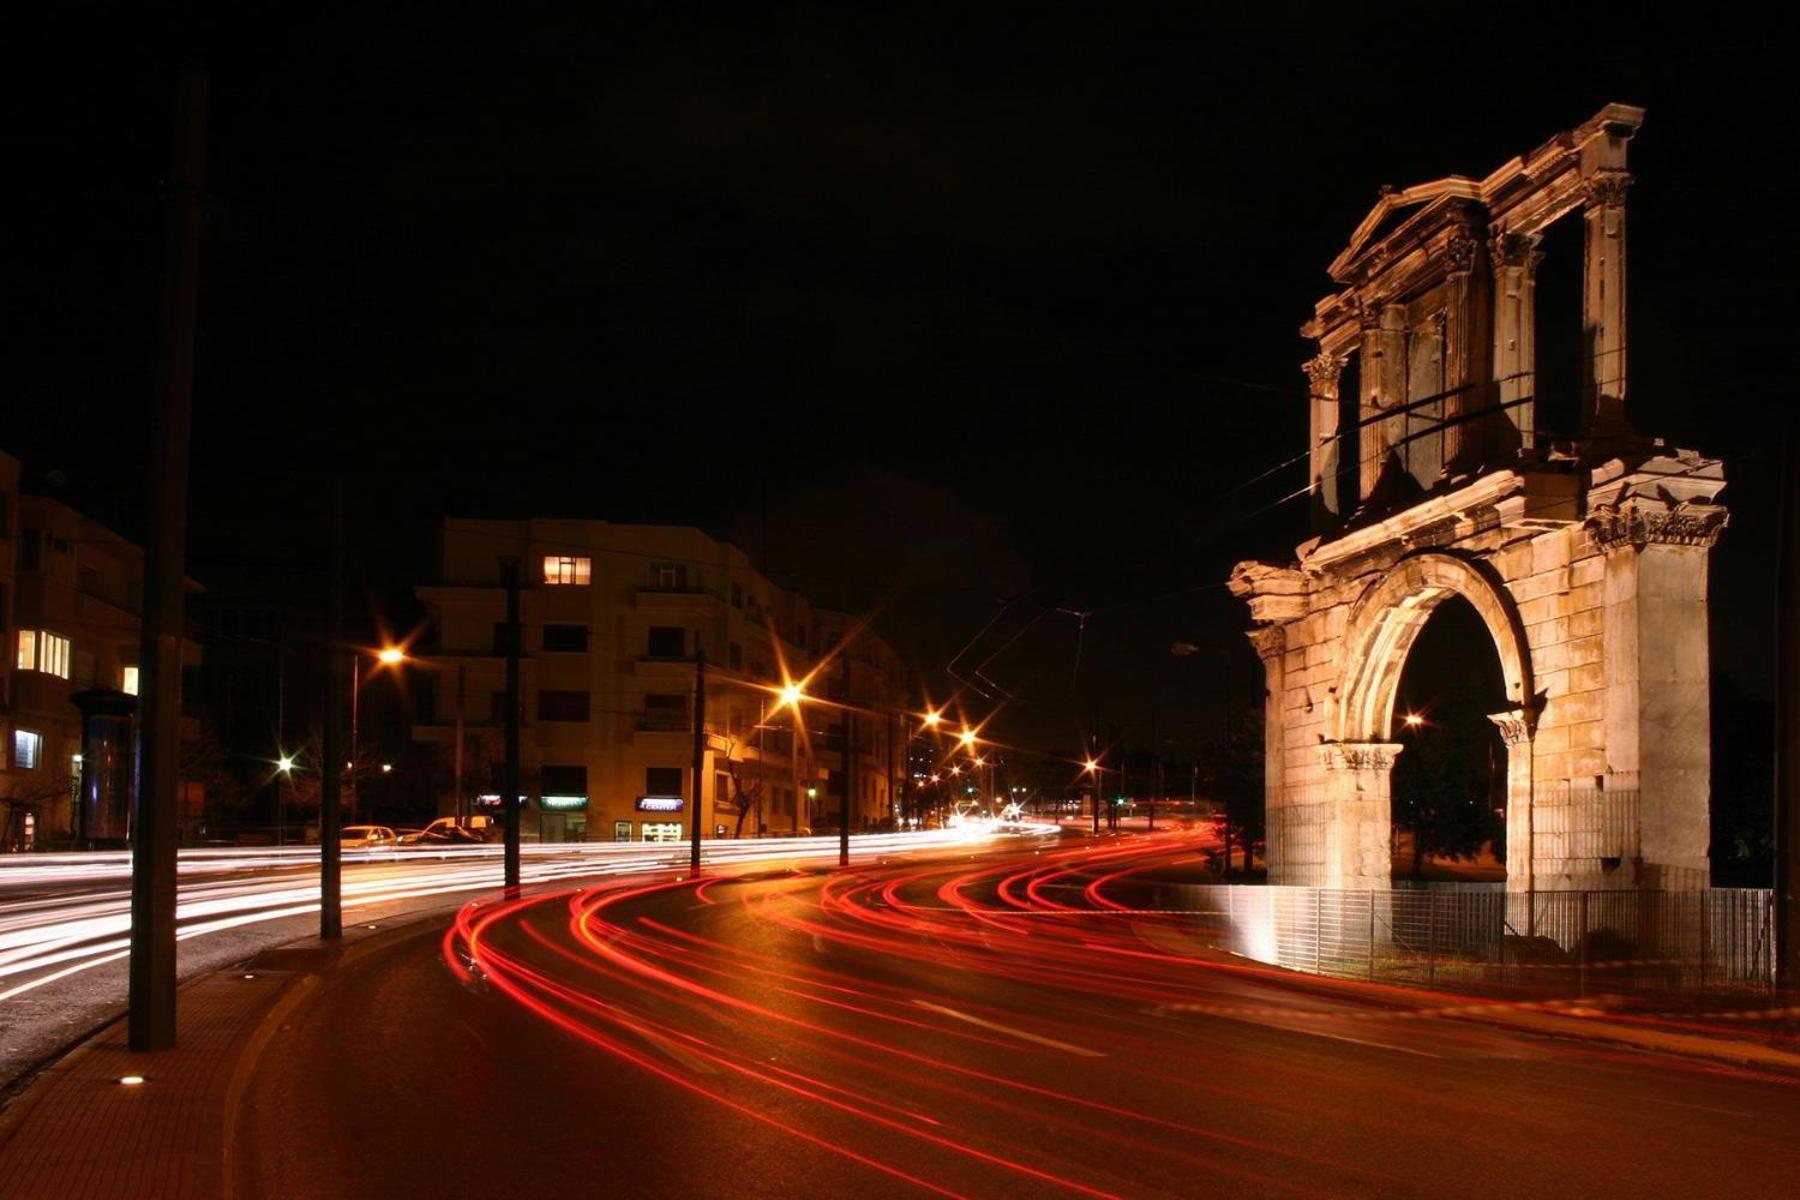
[1414, 720]
[967, 737]
[791, 694]
[284, 764]
[932, 719]
[390, 656]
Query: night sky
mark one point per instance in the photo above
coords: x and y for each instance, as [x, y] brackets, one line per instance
[927, 311]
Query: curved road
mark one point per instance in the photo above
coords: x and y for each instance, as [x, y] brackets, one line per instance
[1006, 1023]
[65, 919]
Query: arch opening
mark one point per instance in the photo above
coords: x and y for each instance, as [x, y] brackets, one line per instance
[1448, 793]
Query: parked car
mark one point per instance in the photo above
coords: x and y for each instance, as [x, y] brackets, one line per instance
[448, 831]
[368, 837]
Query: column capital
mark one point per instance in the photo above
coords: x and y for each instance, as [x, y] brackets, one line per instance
[1606, 189]
[1516, 250]
[1638, 524]
[1361, 756]
[1516, 725]
[1460, 251]
[1322, 372]
[1269, 641]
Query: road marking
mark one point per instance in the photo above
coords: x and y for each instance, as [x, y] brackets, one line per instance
[1010, 1031]
[671, 1048]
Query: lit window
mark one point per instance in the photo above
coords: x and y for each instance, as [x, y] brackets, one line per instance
[27, 746]
[41, 650]
[129, 684]
[567, 569]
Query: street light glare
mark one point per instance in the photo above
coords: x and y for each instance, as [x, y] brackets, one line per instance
[1414, 720]
[284, 763]
[791, 694]
[933, 717]
[1090, 766]
[968, 737]
[391, 656]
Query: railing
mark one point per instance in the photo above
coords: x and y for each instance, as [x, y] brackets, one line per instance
[1533, 943]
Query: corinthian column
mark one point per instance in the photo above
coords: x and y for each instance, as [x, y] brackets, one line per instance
[1515, 258]
[1327, 450]
[1603, 305]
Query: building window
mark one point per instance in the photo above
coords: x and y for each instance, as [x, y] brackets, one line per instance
[666, 641]
[669, 577]
[737, 594]
[128, 681]
[567, 569]
[41, 650]
[562, 706]
[737, 657]
[27, 747]
[566, 639]
[665, 712]
[663, 781]
[497, 707]
[557, 780]
[31, 552]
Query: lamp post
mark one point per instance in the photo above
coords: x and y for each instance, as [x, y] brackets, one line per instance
[1093, 768]
[284, 771]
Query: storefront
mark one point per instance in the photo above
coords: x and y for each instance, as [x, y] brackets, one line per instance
[659, 828]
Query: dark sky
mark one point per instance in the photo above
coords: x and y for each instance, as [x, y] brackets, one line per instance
[934, 306]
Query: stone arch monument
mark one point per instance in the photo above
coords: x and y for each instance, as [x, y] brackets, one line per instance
[1584, 550]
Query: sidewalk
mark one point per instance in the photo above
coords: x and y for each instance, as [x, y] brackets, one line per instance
[78, 1131]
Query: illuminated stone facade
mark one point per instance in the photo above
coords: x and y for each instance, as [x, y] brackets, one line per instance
[1583, 549]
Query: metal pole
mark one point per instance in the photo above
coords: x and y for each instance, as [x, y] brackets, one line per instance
[331, 864]
[1787, 736]
[462, 802]
[699, 754]
[844, 763]
[509, 802]
[355, 742]
[154, 832]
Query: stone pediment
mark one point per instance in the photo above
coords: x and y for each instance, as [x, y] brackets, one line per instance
[1389, 223]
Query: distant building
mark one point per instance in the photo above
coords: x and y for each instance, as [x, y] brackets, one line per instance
[611, 618]
[71, 592]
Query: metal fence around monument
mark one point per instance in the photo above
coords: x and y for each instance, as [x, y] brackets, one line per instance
[1533, 944]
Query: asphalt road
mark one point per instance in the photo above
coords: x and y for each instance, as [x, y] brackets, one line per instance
[65, 919]
[1000, 1024]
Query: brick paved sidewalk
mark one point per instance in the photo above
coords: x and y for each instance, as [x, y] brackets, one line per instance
[76, 1131]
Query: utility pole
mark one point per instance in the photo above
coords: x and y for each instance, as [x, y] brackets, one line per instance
[355, 738]
[331, 863]
[1787, 707]
[509, 578]
[1156, 787]
[699, 751]
[462, 795]
[1099, 772]
[153, 832]
[844, 761]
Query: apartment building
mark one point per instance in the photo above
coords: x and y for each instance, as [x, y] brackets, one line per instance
[71, 591]
[880, 722]
[612, 617]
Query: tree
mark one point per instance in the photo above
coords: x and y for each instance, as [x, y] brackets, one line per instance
[746, 796]
[1232, 771]
[1443, 784]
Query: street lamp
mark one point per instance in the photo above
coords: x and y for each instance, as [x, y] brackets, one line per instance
[284, 770]
[1092, 767]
